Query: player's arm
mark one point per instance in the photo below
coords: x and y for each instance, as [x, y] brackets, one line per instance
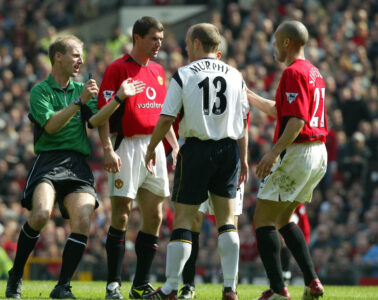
[60, 119]
[243, 148]
[290, 133]
[127, 89]
[263, 104]
[162, 127]
[112, 161]
[172, 140]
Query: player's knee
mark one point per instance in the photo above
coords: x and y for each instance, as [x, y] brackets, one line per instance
[120, 220]
[281, 223]
[153, 221]
[39, 219]
[82, 224]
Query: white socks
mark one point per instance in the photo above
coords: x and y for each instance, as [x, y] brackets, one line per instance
[177, 255]
[228, 248]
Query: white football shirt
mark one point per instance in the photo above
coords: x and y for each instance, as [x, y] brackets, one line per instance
[211, 99]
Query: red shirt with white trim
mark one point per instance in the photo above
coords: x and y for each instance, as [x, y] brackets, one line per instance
[140, 113]
[301, 94]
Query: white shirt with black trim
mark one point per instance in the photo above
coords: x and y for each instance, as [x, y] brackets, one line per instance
[211, 99]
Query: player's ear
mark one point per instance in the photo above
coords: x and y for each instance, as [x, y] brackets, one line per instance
[197, 44]
[58, 56]
[137, 37]
[286, 42]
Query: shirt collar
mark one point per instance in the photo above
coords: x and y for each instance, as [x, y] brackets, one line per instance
[51, 81]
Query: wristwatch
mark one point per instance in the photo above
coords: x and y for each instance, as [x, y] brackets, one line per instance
[77, 101]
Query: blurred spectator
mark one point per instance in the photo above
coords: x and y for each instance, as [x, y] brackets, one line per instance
[353, 108]
[39, 24]
[58, 15]
[84, 10]
[370, 261]
[354, 158]
[117, 42]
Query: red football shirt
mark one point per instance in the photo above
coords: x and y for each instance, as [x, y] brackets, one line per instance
[140, 113]
[301, 94]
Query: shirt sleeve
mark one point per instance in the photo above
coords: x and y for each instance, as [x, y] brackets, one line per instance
[109, 85]
[295, 101]
[173, 100]
[93, 105]
[40, 105]
[244, 102]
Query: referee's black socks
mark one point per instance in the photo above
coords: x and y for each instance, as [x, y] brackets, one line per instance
[26, 242]
[72, 253]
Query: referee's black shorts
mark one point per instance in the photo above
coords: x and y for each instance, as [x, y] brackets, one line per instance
[204, 166]
[66, 171]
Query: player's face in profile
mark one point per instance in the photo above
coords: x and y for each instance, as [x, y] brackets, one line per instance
[72, 59]
[279, 52]
[151, 42]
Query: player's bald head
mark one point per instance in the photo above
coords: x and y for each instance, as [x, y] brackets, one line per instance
[207, 34]
[293, 30]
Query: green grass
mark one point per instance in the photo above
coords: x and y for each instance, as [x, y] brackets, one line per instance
[96, 290]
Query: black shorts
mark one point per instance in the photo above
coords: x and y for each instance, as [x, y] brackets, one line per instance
[204, 166]
[66, 171]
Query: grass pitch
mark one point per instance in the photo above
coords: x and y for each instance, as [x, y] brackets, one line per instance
[96, 290]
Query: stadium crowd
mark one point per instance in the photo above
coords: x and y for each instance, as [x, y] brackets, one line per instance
[344, 211]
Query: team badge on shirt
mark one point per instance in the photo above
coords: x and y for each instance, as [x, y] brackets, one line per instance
[291, 97]
[160, 80]
[118, 183]
[108, 95]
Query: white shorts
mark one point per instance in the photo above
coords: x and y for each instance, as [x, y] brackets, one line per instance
[133, 174]
[207, 206]
[294, 177]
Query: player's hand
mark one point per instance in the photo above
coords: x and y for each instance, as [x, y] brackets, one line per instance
[90, 90]
[244, 173]
[150, 159]
[112, 161]
[266, 164]
[174, 156]
[130, 88]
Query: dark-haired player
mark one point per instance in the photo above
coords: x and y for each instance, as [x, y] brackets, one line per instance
[131, 126]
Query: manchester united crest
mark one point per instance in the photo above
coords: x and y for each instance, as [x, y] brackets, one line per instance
[118, 183]
[160, 80]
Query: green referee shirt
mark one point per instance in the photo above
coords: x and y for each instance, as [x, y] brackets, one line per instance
[47, 98]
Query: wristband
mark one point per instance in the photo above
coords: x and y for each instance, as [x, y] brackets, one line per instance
[116, 98]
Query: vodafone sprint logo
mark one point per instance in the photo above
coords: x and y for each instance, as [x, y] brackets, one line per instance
[150, 105]
[151, 95]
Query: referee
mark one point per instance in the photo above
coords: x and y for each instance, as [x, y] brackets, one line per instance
[59, 108]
